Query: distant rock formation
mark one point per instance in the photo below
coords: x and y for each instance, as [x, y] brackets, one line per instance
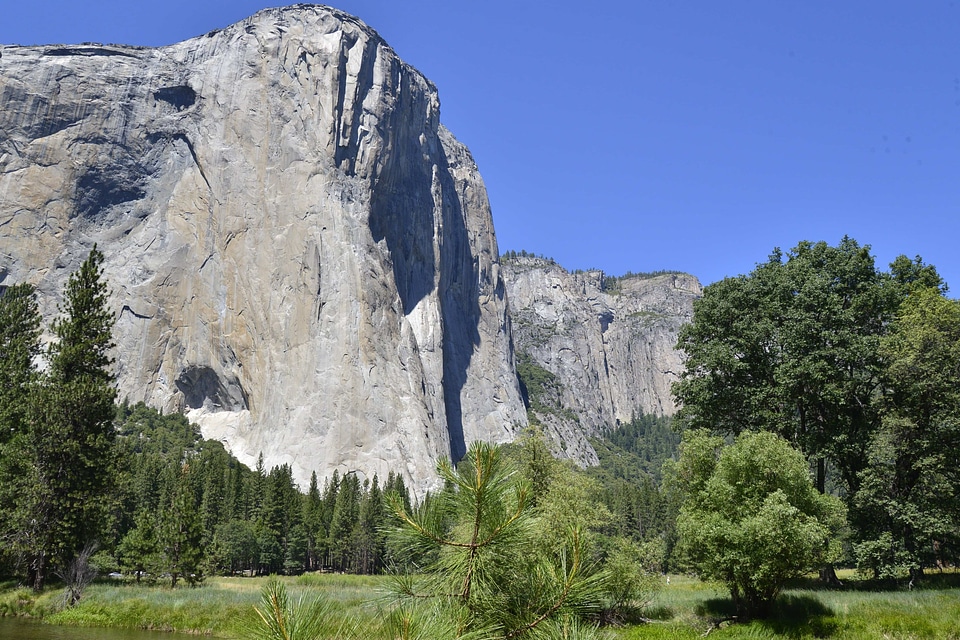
[301, 256]
[607, 342]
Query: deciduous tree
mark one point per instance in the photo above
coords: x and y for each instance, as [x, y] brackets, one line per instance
[751, 517]
[910, 497]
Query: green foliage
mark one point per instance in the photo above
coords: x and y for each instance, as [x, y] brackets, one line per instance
[494, 576]
[855, 367]
[540, 387]
[179, 532]
[159, 498]
[280, 618]
[911, 489]
[19, 346]
[751, 517]
[631, 459]
[235, 546]
[614, 284]
[792, 348]
[638, 448]
[632, 576]
[253, 521]
[513, 255]
[60, 464]
[139, 550]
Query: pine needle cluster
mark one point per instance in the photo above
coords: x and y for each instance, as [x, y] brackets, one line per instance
[489, 577]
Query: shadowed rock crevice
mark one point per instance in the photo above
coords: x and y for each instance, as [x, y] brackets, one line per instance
[180, 97]
[87, 51]
[114, 184]
[202, 388]
[460, 307]
[402, 206]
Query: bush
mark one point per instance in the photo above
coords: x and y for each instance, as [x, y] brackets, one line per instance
[751, 517]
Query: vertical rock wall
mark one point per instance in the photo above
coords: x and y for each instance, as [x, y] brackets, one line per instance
[301, 256]
[608, 342]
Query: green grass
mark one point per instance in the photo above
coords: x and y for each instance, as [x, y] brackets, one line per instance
[221, 607]
[686, 608]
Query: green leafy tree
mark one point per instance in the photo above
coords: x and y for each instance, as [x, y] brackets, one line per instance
[235, 546]
[793, 348]
[751, 517]
[911, 489]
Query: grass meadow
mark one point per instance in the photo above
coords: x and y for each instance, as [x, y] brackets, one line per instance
[685, 608]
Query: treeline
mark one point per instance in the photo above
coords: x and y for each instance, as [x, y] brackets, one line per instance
[78, 472]
[613, 284]
[632, 456]
[189, 508]
[523, 253]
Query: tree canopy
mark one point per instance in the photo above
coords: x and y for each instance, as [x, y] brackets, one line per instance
[60, 464]
[751, 518]
[850, 364]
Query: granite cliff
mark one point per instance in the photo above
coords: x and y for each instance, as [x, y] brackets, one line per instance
[601, 347]
[301, 256]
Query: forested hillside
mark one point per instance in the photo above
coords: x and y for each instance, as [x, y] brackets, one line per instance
[189, 507]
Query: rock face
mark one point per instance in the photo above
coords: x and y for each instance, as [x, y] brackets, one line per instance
[608, 343]
[300, 255]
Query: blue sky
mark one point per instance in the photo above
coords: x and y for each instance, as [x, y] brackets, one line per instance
[660, 134]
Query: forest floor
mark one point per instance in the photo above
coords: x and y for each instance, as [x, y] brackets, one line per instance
[684, 608]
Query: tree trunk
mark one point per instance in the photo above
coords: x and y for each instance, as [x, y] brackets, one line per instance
[828, 575]
[821, 475]
[37, 571]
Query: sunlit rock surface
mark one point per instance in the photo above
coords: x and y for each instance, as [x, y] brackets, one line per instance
[610, 343]
[301, 256]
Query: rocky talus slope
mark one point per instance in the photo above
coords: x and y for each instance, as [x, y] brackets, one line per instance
[602, 347]
[301, 256]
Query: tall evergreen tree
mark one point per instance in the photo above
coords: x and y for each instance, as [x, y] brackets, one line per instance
[180, 528]
[19, 345]
[67, 454]
[346, 515]
[312, 506]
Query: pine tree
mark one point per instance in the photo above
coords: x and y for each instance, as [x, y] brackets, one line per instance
[139, 549]
[346, 514]
[180, 531]
[19, 345]
[67, 454]
[490, 577]
[312, 507]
